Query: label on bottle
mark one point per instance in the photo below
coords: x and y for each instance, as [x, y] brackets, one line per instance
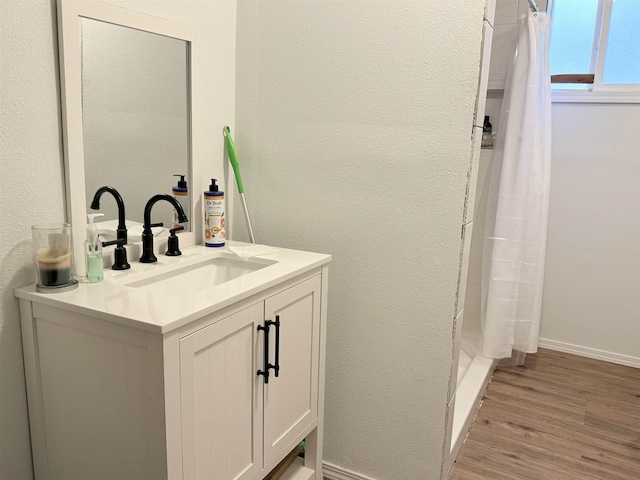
[214, 221]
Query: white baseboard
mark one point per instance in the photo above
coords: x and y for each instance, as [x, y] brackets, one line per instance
[618, 358]
[334, 472]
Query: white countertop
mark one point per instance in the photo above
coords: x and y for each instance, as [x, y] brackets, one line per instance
[156, 312]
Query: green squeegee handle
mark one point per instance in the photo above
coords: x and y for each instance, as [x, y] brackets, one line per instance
[233, 158]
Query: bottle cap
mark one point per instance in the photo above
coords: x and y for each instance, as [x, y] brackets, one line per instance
[213, 187]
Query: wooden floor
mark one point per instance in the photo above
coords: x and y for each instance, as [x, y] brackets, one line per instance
[558, 417]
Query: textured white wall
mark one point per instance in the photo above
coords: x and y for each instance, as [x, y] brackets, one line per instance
[592, 278]
[31, 191]
[353, 130]
[31, 175]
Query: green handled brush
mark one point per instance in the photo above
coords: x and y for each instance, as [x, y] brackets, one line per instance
[233, 158]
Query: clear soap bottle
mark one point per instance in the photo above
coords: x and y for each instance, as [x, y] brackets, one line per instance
[93, 251]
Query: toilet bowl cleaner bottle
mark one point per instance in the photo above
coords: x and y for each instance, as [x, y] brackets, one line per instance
[214, 219]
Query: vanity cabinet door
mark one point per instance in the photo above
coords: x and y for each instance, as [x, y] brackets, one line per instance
[221, 398]
[291, 398]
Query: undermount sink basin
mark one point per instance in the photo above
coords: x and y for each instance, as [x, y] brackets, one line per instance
[202, 276]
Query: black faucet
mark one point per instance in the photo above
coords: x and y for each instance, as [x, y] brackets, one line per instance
[147, 234]
[95, 205]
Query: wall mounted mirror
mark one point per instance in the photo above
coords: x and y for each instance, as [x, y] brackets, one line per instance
[129, 95]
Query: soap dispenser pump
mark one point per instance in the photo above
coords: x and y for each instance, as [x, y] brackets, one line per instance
[93, 251]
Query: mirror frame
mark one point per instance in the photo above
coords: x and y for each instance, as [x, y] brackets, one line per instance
[70, 57]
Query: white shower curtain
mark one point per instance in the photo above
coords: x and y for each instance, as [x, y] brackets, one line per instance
[518, 202]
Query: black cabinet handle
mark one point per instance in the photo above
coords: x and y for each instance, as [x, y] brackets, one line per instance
[277, 365]
[265, 373]
[267, 365]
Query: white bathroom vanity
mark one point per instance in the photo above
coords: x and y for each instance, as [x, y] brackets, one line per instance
[158, 372]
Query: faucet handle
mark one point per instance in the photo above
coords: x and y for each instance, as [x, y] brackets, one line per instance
[119, 255]
[172, 242]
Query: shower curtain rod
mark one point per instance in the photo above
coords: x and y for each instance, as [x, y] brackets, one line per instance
[534, 6]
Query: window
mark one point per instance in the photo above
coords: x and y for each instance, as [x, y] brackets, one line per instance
[599, 37]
